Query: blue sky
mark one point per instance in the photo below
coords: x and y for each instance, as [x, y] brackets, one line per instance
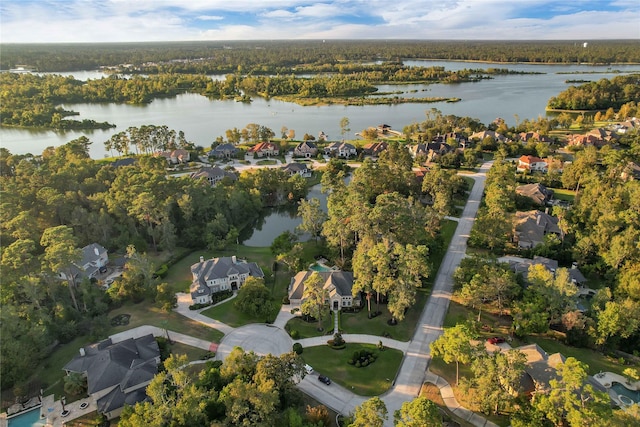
[32, 21]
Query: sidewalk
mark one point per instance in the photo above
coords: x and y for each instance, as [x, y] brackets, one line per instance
[449, 399]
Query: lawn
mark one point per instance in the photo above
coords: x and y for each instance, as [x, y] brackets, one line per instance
[227, 313]
[359, 323]
[192, 353]
[310, 329]
[146, 313]
[372, 380]
[562, 194]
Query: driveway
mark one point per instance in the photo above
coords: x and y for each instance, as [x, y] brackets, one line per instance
[261, 339]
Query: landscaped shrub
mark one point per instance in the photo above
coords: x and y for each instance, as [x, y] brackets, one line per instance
[337, 343]
[162, 271]
[297, 347]
[362, 358]
[285, 300]
[294, 334]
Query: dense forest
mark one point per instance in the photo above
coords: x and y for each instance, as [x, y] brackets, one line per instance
[279, 56]
[599, 95]
[56, 203]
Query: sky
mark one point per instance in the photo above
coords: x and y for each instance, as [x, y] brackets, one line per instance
[52, 21]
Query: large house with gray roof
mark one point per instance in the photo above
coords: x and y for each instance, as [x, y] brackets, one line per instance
[94, 257]
[530, 228]
[338, 284]
[117, 373]
[220, 274]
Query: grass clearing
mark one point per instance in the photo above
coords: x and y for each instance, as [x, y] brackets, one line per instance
[563, 194]
[372, 380]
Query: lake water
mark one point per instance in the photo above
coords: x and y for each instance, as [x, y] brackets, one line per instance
[278, 221]
[203, 120]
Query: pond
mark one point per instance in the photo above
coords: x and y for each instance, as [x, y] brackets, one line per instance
[279, 220]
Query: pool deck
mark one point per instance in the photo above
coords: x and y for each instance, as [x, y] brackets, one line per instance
[608, 378]
[51, 410]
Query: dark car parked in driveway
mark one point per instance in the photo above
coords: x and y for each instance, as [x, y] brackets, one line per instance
[495, 340]
[324, 379]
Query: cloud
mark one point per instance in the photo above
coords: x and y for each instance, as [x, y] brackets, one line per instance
[157, 20]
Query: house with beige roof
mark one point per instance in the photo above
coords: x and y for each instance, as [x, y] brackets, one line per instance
[530, 227]
[339, 285]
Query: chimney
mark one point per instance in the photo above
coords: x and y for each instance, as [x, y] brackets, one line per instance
[201, 259]
[82, 351]
[574, 265]
[234, 259]
[538, 218]
[546, 210]
[97, 252]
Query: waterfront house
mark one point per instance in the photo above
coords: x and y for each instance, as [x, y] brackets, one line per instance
[338, 284]
[213, 175]
[263, 149]
[305, 149]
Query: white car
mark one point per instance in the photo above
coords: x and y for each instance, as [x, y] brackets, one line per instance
[308, 369]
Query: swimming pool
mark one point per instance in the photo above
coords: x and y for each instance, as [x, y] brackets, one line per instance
[623, 391]
[27, 419]
[319, 267]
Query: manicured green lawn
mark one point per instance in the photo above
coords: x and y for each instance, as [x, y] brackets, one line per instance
[310, 329]
[359, 323]
[562, 194]
[227, 313]
[372, 380]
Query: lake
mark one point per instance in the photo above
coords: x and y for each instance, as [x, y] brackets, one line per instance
[203, 120]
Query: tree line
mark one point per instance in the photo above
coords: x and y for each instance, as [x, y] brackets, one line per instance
[230, 56]
[599, 95]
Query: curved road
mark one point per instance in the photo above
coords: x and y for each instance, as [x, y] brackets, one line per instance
[273, 339]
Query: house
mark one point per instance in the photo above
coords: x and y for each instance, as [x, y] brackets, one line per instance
[117, 373]
[340, 149]
[597, 137]
[525, 137]
[297, 168]
[220, 274]
[375, 148]
[480, 136]
[431, 150]
[530, 227]
[337, 283]
[322, 136]
[213, 175]
[531, 164]
[94, 258]
[631, 172]
[627, 126]
[305, 149]
[265, 149]
[540, 366]
[175, 156]
[521, 265]
[536, 192]
[451, 136]
[223, 151]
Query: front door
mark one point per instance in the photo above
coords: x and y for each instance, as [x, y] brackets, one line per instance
[335, 305]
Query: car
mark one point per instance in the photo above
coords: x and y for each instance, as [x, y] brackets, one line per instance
[308, 369]
[495, 340]
[324, 379]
